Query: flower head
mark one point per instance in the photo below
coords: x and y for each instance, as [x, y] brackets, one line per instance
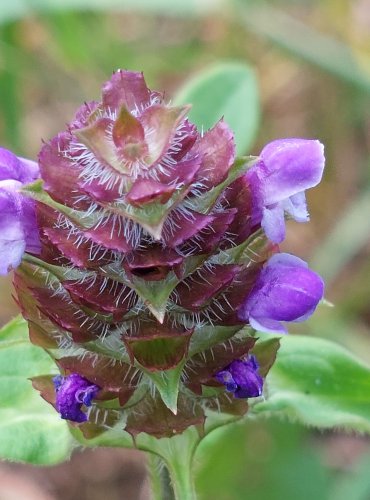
[152, 261]
[18, 228]
[241, 377]
[72, 392]
[286, 290]
[287, 167]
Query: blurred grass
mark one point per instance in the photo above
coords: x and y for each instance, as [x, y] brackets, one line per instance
[306, 43]
[9, 87]
[19, 9]
[312, 60]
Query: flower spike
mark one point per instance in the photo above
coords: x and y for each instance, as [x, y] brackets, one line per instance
[149, 267]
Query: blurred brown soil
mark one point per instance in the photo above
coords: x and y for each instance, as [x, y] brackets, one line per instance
[101, 474]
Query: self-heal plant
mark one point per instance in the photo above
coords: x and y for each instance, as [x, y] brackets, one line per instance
[148, 258]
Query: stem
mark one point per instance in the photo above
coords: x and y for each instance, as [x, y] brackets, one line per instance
[170, 470]
[159, 479]
[179, 462]
[170, 460]
[182, 481]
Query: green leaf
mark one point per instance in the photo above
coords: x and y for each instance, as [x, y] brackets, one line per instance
[228, 90]
[260, 460]
[318, 383]
[30, 429]
[295, 37]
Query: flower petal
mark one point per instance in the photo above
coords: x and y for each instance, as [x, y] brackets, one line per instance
[29, 170]
[287, 290]
[71, 393]
[18, 229]
[291, 166]
[296, 207]
[273, 223]
[286, 259]
[12, 244]
[267, 325]
[202, 368]
[18, 169]
[9, 165]
[242, 378]
[30, 228]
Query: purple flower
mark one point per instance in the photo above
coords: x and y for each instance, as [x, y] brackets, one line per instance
[286, 168]
[72, 392]
[286, 290]
[242, 378]
[18, 228]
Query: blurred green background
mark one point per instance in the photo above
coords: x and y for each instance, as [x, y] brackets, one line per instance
[312, 61]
